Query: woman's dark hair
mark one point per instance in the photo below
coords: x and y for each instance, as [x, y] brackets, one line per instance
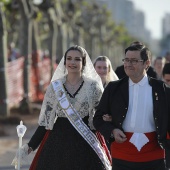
[144, 51]
[77, 48]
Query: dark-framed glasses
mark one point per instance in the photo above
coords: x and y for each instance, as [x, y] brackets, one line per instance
[132, 61]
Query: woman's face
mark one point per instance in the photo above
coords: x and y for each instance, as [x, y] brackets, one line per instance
[102, 68]
[74, 61]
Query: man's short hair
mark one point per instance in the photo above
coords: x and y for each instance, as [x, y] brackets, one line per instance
[144, 51]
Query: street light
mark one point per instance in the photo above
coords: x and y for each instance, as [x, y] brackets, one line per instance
[37, 2]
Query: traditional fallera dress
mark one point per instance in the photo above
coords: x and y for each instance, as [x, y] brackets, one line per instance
[63, 147]
[61, 143]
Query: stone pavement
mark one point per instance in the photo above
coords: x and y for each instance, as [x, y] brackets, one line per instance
[9, 142]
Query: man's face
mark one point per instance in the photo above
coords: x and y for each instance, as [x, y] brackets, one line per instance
[135, 70]
[166, 79]
[168, 58]
[158, 66]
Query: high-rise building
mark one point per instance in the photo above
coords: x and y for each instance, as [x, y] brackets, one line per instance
[124, 12]
[166, 25]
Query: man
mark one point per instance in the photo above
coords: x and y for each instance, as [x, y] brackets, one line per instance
[139, 107]
[158, 65]
[120, 72]
[167, 57]
[166, 74]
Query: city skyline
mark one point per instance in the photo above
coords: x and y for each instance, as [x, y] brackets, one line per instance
[154, 13]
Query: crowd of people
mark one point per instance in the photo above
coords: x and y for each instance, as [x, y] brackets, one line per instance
[129, 107]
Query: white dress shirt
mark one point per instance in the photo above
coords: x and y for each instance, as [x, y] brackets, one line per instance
[139, 118]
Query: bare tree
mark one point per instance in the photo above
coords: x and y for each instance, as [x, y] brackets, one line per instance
[4, 111]
[26, 26]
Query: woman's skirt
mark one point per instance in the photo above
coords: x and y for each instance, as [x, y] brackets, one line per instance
[63, 148]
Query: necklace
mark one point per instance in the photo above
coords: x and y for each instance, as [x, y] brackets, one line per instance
[73, 87]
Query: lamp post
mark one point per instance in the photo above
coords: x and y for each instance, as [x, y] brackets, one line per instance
[37, 2]
[21, 129]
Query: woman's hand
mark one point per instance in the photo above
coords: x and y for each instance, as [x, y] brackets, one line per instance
[107, 117]
[30, 150]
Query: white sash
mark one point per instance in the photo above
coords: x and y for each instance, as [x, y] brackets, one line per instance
[78, 123]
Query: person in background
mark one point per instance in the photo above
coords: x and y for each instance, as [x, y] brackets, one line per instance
[166, 74]
[65, 128]
[13, 54]
[139, 107]
[120, 72]
[167, 57]
[158, 65]
[104, 69]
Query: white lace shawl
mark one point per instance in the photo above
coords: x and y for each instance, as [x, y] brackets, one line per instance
[84, 102]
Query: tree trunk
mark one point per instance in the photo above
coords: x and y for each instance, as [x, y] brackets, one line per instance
[59, 43]
[35, 62]
[53, 37]
[26, 49]
[4, 110]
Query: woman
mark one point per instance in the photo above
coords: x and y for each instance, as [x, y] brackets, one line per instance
[104, 69]
[65, 120]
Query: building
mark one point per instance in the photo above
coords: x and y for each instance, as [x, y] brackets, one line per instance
[166, 25]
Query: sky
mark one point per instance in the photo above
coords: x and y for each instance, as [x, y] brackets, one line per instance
[154, 11]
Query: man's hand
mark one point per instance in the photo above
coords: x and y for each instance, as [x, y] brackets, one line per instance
[119, 136]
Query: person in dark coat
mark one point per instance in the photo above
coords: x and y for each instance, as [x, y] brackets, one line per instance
[120, 72]
[139, 107]
[166, 74]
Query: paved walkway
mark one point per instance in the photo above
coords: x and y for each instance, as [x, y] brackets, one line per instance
[9, 143]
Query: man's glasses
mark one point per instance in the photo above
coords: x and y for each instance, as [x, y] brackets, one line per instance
[133, 61]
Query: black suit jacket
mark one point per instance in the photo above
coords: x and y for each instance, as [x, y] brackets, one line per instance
[115, 101]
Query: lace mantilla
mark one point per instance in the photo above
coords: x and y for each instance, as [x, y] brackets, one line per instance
[84, 102]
